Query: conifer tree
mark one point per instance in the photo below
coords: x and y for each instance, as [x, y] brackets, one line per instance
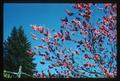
[15, 52]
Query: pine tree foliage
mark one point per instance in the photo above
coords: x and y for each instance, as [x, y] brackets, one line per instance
[15, 52]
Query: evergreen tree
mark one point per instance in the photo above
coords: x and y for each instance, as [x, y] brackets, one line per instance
[15, 52]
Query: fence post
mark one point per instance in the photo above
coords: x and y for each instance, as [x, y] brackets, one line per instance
[19, 72]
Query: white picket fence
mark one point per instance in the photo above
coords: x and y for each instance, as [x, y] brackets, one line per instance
[19, 73]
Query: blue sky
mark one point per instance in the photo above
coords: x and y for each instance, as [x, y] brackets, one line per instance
[47, 15]
[27, 14]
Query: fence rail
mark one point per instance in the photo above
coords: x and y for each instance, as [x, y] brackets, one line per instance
[19, 73]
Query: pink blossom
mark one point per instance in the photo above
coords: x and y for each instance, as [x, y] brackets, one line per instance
[78, 6]
[91, 65]
[96, 57]
[86, 44]
[47, 57]
[74, 21]
[30, 52]
[68, 12]
[47, 34]
[79, 23]
[60, 34]
[96, 32]
[41, 29]
[70, 66]
[105, 71]
[88, 5]
[114, 74]
[59, 61]
[64, 65]
[82, 32]
[88, 56]
[67, 36]
[107, 4]
[56, 36]
[34, 27]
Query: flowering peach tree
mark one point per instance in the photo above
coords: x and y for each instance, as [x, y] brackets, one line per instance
[85, 45]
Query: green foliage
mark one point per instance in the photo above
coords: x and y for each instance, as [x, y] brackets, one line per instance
[15, 52]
